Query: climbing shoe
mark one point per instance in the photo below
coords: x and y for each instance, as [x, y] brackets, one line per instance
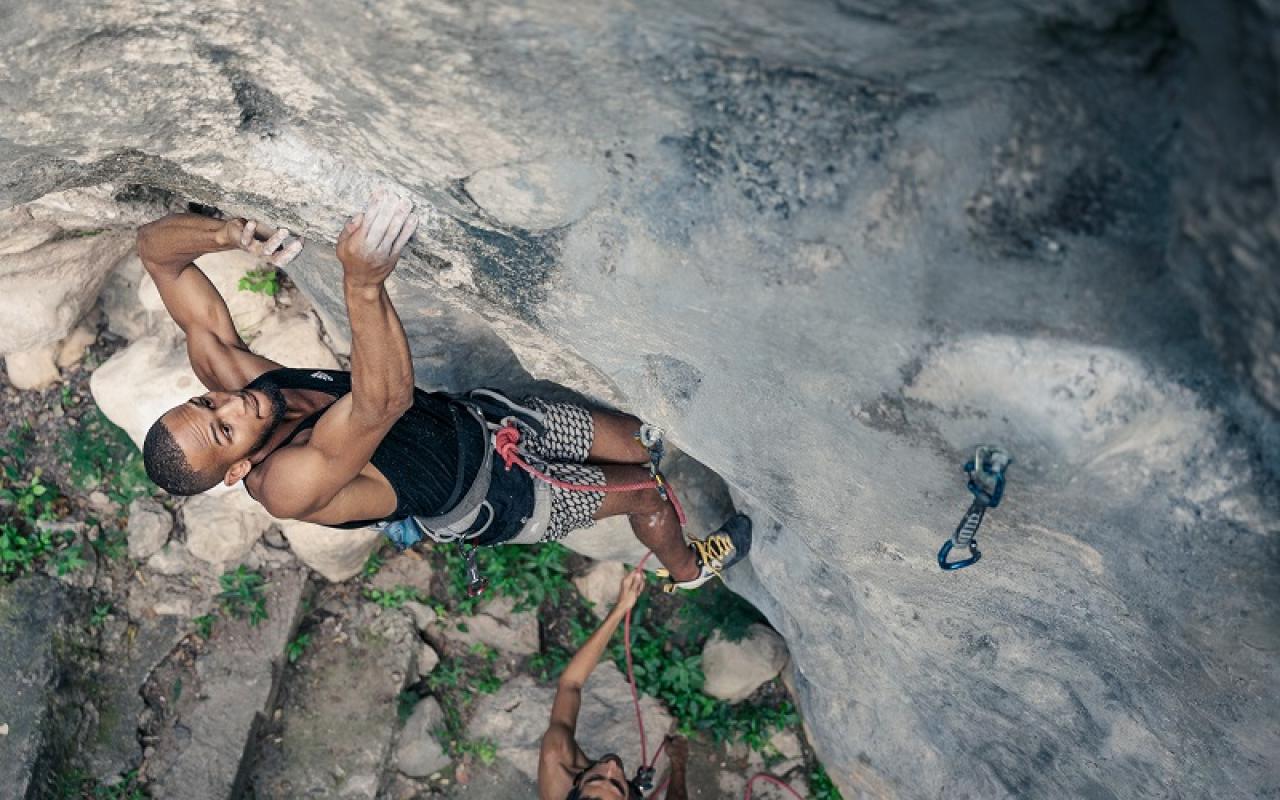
[719, 551]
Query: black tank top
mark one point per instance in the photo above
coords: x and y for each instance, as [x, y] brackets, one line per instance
[430, 456]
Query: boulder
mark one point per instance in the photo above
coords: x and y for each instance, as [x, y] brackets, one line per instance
[219, 531]
[149, 527]
[141, 382]
[408, 569]
[206, 705]
[50, 286]
[335, 553]
[428, 660]
[496, 624]
[293, 340]
[33, 613]
[224, 270]
[339, 716]
[73, 348]
[515, 717]
[419, 753]
[734, 670]
[599, 585]
[423, 616]
[33, 369]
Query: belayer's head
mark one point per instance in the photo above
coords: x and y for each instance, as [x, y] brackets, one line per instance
[605, 779]
[212, 438]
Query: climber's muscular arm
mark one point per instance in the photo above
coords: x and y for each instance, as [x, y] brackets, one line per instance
[168, 248]
[321, 481]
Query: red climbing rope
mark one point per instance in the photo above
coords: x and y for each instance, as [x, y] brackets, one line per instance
[506, 442]
[635, 701]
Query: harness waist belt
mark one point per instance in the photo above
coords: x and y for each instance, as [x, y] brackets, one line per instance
[453, 524]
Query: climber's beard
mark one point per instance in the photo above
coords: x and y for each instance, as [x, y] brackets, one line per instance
[278, 408]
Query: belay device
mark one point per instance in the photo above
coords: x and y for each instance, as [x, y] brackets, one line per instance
[986, 481]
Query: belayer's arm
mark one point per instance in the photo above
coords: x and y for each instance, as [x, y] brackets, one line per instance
[558, 743]
[168, 248]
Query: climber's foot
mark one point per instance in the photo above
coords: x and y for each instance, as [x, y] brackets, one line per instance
[719, 551]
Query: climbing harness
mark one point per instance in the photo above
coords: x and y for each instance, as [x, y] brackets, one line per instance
[986, 482]
[648, 769]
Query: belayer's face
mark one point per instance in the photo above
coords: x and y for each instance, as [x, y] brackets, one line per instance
[605, 780]
[218, 429]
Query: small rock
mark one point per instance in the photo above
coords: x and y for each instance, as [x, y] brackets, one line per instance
[599, 585]
[406, 570]
[736, 669]
[171, 559]
[149, 527]
[274, 539]
[498, 625]
[428, 660]
[335, 554]
[423, 616]
[101, 503]
[73, 348]
[419, 754]
[33, 369]
[218, 531]
[786, 743]
[4, 729]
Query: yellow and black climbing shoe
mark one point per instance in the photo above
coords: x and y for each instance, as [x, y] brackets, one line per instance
[719, 551]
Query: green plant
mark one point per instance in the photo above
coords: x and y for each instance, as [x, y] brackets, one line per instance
[32, 499]
[406, 702]
[19, 550]
[529, 575]
[100, 614]
[448, 674]
[373, 564]
[243, 594]
[548, 666]
[98, 452]
[111, 543]
[262, 281]
[716, 608]
[78, 784]
[69, 560]
[392, 598]
[297, 647]
[204, 624]
[820, 785]
[483, 749]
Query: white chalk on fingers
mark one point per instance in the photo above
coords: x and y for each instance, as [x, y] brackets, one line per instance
[275, 241]
[246, 233]
[288, 253]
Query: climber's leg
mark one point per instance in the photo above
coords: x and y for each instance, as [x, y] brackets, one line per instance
[653, 520]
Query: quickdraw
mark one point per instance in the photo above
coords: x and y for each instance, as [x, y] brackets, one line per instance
[986, 482]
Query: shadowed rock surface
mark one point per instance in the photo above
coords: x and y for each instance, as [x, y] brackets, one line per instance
[830, 247]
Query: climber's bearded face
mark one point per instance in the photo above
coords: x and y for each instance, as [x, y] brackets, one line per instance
[223, 432]
[604, 780]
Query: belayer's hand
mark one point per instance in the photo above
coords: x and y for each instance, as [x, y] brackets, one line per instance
[370, 244]
[629, 591]
[249, 235]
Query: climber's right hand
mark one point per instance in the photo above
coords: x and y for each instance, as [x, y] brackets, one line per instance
[370, 243]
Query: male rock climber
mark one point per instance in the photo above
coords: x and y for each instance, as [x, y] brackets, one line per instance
[366, 447]
[564, 771]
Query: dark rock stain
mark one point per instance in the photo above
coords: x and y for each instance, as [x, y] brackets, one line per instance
[512, 267]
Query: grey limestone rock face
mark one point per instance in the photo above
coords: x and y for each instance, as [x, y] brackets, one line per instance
[830, 247]
[32, 613]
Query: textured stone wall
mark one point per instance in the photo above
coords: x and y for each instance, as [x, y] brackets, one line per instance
[831, 247]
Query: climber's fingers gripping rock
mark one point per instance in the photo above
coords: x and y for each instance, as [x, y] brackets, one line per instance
[370, 243]
[251, 236]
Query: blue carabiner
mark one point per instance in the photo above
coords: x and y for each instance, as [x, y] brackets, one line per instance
[974, 555]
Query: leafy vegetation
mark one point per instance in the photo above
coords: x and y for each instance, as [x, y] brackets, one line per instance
[294, 649]
[29, 504]
[204, 624]
[77, 784]
[528, 575]
[820, 785]
[261, 281]
[243, 594]
[99, 454]
[392, 598]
